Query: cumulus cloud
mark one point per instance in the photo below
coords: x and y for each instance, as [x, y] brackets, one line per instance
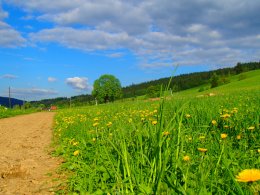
[33, 92]
[52, 79]
[180, 31]
[9, 76]
[9, 37]
[80, 83]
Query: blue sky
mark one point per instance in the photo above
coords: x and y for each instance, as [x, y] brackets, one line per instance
[59, 48]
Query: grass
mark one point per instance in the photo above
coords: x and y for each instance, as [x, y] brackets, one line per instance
[182, 145]
[7, 112]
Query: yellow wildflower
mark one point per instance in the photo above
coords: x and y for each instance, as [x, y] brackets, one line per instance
[238, 137]
[165, 133]
[223, 135]
[76, 153]
[187, 115]
[186, 158]
[202, 149]
[96, 119]
[94, 139]
[154, 122]
[251, 128]
[109, 124]
[248, 175]
[224, 116]
[202, 137]
[214, 122]
[95, 124]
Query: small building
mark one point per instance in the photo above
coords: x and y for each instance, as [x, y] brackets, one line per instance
[53, 108]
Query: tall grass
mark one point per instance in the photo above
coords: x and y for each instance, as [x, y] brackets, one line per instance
[172, 146]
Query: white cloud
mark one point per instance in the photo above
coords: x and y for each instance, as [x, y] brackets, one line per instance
[80, 83]
[9, 76]
[33, 92]
[52, 79]
[157, 32]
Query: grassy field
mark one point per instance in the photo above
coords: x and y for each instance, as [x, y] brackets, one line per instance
[182, 144]
[6, 112]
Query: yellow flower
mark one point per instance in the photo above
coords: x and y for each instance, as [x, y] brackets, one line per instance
[223, 135]
[165, 133]
[186, 158]
[94, 139]
[224, 116]
[248, 175]
[258, 150]
[95, 124]
[190, 138]
[202, 137]
[214, 122]
[95, 119]
[226, 126]
[202, 149]
[187, 115]
[76, 153]
[109, 124]
[154, 122]
[238, 137]
[251, 128]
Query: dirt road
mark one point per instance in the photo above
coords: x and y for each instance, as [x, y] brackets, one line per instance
[26, 167]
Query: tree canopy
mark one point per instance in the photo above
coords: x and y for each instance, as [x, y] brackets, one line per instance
[107, 88]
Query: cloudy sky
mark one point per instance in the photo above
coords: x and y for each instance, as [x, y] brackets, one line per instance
[59, 48]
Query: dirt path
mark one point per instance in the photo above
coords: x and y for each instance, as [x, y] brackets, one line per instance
[25, 165]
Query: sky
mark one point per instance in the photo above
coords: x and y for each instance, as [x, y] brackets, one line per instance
[59, 48]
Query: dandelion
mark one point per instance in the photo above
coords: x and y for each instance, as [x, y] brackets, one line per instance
[109, 124]
[251, 128]
[154, 122]
[76, 153]
[225, 116]
[94, 139]
[226, 126]
[187, 115]
[248, 175]
[95, 124]
[258, 150]
[95, 119]
[238, 137]
[202, 149]
[166, 133]
[223, 135]
[202, 137]
[214, 122]
[186, 158]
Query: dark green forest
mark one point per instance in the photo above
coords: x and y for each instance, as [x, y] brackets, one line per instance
[178, 83]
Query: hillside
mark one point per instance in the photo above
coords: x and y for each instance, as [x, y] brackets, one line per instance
[185, 82]
[188, 81]
[4, 101]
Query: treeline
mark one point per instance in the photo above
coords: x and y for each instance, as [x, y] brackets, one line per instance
[187, 81]
[64, 102]
[178, 83]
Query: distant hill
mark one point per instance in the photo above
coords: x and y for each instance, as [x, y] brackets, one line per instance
[188, 81]
[4, 101]
[178, 83]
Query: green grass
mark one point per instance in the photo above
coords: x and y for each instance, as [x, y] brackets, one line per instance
[146, 147]
[6, 112]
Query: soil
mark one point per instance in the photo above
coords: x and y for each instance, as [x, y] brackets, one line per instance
[26, 165]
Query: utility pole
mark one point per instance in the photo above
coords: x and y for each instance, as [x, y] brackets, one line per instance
[10, 105]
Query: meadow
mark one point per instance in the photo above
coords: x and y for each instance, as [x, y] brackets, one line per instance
[181, 144]
[7, 112]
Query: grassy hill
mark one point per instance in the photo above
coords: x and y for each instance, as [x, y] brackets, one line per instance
[250, 81]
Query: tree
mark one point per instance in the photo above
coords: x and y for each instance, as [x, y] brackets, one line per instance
[107, 88]
[214, 80]
[153, 91]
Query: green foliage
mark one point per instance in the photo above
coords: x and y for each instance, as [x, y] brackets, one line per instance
[142, 147]
[215, 81]
[153, 91]
[242, 77]
[107, 88]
